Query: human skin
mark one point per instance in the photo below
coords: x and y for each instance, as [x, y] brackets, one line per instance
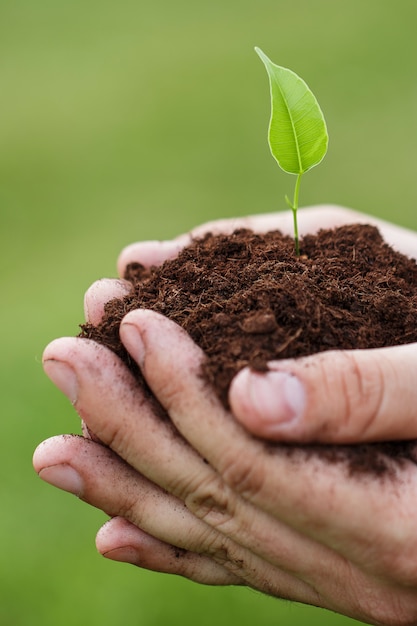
[197, 495]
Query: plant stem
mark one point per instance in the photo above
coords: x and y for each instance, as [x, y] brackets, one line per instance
[294, 208]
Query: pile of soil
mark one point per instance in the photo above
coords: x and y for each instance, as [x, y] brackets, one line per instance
[246, 299]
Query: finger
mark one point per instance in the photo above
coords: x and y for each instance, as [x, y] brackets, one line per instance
[120, 540]
[319, 495]
[333, 397]
[99, 294]
[148, 253]
[87, 469]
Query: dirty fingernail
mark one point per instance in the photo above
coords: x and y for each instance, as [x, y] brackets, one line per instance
[63, 376]
[64, 477]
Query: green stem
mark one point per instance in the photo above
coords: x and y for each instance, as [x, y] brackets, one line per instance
[294, 208]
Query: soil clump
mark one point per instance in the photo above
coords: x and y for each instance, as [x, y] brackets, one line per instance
[246, 299]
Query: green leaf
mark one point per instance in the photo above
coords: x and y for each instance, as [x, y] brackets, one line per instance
[297, 131]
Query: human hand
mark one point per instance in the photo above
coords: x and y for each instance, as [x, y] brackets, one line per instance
[199, 496]
[154, 553]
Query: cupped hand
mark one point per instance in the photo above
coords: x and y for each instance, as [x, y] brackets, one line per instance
[216, 504]
[205, 504]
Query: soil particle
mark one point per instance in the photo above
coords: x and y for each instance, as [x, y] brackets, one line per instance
[246, 299]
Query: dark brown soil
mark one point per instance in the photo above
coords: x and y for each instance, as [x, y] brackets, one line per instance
[246, 299]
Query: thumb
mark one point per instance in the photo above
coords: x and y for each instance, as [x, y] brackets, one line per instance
[332, 397]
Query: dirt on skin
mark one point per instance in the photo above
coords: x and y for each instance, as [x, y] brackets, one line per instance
[246, 299]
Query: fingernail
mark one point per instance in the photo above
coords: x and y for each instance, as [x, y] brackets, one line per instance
[64, 477]
[278, 398]
[133, 342]
[127, 554]
[63, 376]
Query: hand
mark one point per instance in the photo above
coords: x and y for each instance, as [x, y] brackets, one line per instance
[237, 510]
[153, 552]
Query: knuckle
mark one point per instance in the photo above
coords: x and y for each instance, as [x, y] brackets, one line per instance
[129, 509]
[114, 437]
[244, 474]
[210, 501]
[171, 393]
[231, 557]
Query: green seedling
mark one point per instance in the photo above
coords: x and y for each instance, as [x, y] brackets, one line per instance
[297, 130]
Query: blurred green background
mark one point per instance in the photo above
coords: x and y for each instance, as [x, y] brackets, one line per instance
[133, 120]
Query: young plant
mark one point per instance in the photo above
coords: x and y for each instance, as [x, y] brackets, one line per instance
[297, 130]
